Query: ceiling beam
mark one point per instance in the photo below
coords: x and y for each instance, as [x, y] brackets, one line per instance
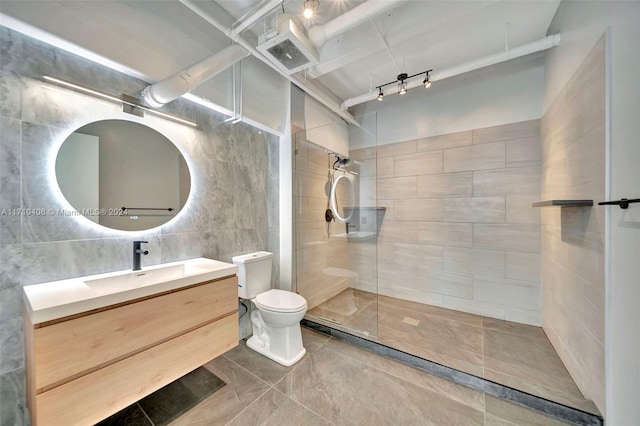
[351, 48]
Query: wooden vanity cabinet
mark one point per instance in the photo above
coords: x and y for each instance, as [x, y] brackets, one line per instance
[86, 367]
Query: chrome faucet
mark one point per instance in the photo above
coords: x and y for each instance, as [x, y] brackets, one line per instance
[137, 252]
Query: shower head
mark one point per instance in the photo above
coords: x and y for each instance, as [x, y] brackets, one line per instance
[344, 161]
[341, 161]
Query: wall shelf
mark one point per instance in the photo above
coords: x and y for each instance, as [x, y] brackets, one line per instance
[563, 203]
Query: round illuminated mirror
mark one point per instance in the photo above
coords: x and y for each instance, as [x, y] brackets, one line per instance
[122, 175]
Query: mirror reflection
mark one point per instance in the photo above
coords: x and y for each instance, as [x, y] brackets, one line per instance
[122, 175]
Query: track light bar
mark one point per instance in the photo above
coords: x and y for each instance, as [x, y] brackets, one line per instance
[129, 101]
[402, 83]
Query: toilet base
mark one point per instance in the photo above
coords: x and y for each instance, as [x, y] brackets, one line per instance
[257, 345]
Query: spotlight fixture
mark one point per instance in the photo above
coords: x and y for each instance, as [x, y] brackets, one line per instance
[427, 80]
[403, 86]
[310, 8]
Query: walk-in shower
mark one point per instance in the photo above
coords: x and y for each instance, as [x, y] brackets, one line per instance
[397, 244]
[335, 231]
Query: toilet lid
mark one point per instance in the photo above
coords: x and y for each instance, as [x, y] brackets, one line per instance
[280, 301]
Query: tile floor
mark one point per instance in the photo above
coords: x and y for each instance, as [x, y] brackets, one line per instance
[334, 383]
[512, 354]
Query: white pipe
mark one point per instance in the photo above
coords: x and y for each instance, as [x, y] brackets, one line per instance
[243, 24]
[185, 81]
[319, 34]
[242, 42]
[536, 46]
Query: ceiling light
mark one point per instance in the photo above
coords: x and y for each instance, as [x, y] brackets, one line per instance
[310, 8]
[403, 85]
[427, 80]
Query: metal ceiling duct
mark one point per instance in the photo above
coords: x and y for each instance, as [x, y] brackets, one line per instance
[185, 81]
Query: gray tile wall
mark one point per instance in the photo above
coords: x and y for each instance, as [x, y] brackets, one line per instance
[573, 167]
[459, 229]
[234, 174]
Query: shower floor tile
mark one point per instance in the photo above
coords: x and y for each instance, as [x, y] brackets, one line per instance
[345, 306]
[516, 355]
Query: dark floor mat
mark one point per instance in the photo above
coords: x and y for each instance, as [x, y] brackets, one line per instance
[130, 416]
[168, 403]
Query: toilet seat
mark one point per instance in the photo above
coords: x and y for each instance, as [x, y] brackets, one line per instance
[280, 301]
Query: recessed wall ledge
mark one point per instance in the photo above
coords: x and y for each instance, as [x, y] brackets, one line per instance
[563, 203]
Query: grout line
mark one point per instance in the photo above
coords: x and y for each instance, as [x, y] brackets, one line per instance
[304, 406]
[403, 379]
[323, 343]
[252, 402]
[145, 413]
[482, 336]
[262, 380]
[484, 408]
[247, 370]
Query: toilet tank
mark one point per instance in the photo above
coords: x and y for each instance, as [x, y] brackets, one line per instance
[254, 274]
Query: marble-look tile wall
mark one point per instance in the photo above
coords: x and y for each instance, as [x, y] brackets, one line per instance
[459, 230]
[321, 253]
[233, 207]
[573, 167]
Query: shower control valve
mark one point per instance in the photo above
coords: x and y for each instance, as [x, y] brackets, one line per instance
[328, 216]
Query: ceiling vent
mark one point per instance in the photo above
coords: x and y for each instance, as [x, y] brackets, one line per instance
[288, 47]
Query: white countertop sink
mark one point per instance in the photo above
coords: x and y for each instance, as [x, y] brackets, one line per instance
[57, 299]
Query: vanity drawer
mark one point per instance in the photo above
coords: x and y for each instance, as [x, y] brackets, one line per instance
[97, 395]
[71, 348]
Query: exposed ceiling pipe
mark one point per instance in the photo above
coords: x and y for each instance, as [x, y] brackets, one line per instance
[185, 81]
[536, 46]
[173, 87]
[319, 34]
[234, 36]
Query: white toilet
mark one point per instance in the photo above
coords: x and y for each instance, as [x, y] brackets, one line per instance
[276, 322]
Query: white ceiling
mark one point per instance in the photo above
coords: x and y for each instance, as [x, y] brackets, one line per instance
[159, 38]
